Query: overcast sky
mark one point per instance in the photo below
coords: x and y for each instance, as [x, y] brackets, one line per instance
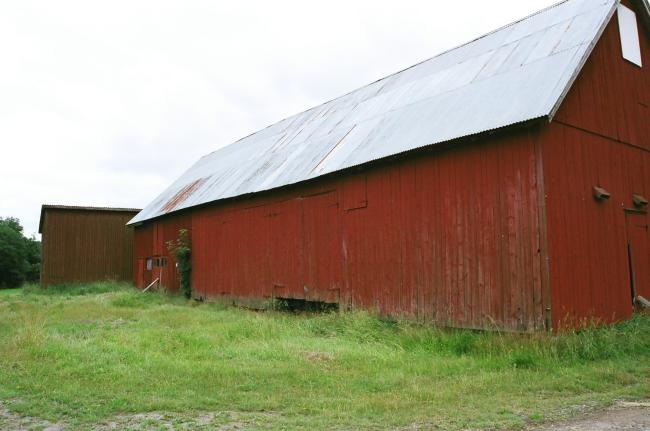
[105, 103]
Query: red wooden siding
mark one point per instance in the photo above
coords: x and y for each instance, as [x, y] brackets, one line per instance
[601, 136]
[151, 242]
[501, 231]
[612, 96]
[451, 236]
[85, 246]
[639, 253]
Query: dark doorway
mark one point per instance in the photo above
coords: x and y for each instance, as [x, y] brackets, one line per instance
[636, 225]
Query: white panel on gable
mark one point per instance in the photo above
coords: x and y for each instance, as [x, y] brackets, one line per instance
[629, 35]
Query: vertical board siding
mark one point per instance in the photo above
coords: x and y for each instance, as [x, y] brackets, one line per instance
[494, 233]
[86, 245]
[637, 234]
[600, 137]
[587, 239]
[450, 236]
[321, 252]
[151, 242]
[502, 231]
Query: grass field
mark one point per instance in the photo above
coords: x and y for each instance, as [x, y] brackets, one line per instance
[82, 356]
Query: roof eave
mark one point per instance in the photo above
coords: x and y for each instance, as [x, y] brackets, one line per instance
[467, 138]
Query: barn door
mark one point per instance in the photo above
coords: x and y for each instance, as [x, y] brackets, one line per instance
[321, 248]
[638, 254]
[283, 248]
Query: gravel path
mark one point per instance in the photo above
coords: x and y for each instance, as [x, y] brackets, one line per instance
[622, 417]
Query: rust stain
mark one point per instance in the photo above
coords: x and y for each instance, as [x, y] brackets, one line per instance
[182, 195]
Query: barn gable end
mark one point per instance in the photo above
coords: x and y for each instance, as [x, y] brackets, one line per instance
[600, 137]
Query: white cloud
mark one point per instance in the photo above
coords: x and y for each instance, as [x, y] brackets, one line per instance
[106, 103]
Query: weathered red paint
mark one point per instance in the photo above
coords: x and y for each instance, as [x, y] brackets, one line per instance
[449, 236]
[497, 231]
[600, 137]
[636, 229]
[151, 242]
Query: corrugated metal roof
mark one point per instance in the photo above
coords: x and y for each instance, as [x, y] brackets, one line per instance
[515, 74]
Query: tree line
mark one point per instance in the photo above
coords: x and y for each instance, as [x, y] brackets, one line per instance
[20, 256]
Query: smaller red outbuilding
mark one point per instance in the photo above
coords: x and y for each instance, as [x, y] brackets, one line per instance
[85, 244]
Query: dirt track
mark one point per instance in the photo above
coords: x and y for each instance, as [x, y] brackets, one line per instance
[621, 417]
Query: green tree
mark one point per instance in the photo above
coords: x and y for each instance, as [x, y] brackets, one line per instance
[13, 223]
[20, 257]
[13, 257]
[33, 274]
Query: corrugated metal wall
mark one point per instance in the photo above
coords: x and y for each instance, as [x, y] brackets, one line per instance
[450, 236]
[601, 136]
[85, 246]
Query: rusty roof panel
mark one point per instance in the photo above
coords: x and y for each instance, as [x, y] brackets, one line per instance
[515, 74]
[182, 194]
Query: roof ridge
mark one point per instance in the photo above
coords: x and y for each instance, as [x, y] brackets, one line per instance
[447, 51]
[90, 208]
[469, 42]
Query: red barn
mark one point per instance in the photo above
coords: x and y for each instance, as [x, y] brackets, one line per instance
[502, 183]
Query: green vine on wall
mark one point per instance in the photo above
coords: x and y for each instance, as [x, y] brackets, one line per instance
[180, 249]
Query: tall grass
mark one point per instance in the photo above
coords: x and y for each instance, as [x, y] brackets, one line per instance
[82, 354]
[9, 291]
[626, 339]
[76, 289]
